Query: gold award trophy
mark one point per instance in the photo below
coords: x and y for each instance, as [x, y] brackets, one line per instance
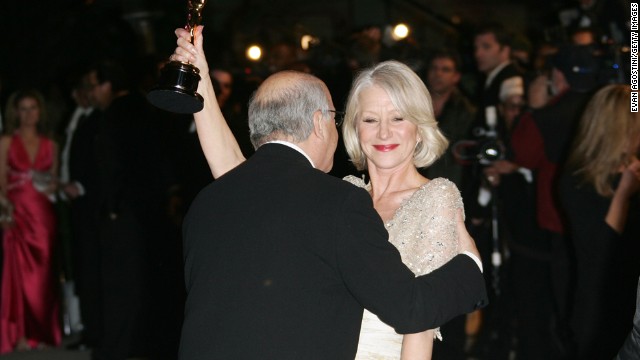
[178, 82]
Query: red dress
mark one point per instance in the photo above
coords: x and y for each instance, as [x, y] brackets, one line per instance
[29, 306]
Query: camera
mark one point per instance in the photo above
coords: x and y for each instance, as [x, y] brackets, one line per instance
[486, 148]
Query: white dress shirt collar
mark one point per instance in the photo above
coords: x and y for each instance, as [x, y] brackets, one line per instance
[294, 147]
[494, 72]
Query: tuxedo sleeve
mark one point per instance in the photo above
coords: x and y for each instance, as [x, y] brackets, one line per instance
[373, 271]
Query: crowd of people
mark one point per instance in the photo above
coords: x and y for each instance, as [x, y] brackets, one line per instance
[213, 235]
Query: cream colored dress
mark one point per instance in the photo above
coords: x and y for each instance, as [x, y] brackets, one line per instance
[423, 229]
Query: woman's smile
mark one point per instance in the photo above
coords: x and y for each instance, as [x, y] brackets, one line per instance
[385, 148]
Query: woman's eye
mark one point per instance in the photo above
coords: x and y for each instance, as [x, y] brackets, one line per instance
[398, 119]
[369, 120]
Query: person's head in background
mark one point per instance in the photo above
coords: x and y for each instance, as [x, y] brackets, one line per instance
[608, 137]
[522, 52]
[492, 47]
[443, 73]
[26, 109]
[108, 80]
[224, 79]
[576, 67]
[510, 107]
[280, 56]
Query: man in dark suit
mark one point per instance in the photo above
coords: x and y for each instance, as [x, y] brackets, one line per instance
[281, 259]
[78, 177]
[133, 186]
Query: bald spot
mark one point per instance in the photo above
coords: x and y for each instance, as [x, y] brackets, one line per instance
[275, 86]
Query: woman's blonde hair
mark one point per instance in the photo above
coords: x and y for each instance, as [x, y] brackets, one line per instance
[604, 137]
[410, 97]
[11, 118]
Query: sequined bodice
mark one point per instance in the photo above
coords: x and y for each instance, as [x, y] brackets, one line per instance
[423, 228]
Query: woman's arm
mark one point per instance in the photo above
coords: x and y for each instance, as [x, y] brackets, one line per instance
[417, 346]
[6, 208]
[619, 207]
[4, 173]
[218, 143]
[53, 186]
[450, 211]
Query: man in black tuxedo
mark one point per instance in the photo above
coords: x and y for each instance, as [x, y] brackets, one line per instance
[281, 259]
[133, 181]
[78, 177]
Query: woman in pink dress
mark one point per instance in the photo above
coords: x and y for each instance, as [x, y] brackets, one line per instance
[29, 305]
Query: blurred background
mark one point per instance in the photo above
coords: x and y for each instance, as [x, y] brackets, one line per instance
[45, 42]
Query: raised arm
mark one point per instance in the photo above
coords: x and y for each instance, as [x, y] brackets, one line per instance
[218, 143]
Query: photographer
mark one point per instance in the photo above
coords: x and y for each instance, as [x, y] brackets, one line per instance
[540, 142]
[527, 276]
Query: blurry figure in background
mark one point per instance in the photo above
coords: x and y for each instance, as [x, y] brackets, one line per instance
[452, 109]
[599, 193]
[365, 48]
[232, 109]
[29, 311]
[133, 188]
[528, 279]
[540, 142]
[225, 83]
[281, 56]
[493, 47]
[607, 18]
[538, 87]
[630, 350]
[78, 185]
[499, 75]
[521, 53]
[492, 44]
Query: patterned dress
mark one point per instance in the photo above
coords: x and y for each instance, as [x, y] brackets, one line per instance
[423, 229]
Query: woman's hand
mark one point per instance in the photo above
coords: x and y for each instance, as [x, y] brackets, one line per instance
[630, 181]
[187, 52]
[6, 213]
[216, 139]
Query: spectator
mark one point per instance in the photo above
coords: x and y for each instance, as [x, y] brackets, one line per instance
[29, 311]
[540, 142]
[599, 190]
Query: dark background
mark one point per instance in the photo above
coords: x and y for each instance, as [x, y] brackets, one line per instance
[45, 42]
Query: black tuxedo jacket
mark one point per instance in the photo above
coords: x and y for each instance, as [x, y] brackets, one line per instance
[82, 157]
[280, 260]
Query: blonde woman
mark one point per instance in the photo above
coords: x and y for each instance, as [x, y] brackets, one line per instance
[599, 189]
[28, 169]
[390, 131]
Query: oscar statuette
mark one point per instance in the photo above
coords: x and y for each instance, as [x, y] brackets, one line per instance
[178, 83]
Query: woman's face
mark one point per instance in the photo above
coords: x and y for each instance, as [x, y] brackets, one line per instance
[387, 139]
[28, 112]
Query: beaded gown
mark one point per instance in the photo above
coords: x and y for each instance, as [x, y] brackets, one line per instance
[423, 229]
[29, 306]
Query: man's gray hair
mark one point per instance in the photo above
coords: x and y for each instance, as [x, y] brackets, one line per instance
[284, 110]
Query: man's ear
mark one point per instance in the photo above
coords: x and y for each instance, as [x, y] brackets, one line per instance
[318, 124]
